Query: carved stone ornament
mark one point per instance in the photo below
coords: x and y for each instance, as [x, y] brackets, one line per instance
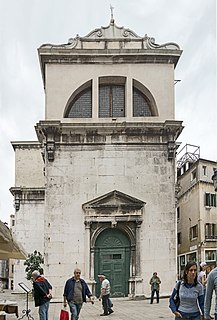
[113, 33]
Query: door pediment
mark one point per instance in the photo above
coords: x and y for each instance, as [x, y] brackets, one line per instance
[114, 203]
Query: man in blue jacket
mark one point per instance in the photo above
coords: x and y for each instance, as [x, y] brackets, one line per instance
[75, 293]
[211, 286]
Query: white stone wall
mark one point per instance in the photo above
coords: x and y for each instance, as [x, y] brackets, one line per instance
[80, 174]
[29, 229]
[29, 166]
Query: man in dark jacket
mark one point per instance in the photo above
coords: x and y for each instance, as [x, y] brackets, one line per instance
[75, 293]
[42, 294]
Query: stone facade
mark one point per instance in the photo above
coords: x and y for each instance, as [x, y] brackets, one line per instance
[103, 186]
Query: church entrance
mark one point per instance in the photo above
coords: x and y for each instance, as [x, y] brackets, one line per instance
[112, 258]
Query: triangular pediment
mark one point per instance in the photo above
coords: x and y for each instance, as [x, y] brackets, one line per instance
[114, 199]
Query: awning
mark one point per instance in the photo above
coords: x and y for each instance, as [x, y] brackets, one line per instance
[9, 247]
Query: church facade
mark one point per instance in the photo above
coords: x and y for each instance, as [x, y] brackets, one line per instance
[97, 190]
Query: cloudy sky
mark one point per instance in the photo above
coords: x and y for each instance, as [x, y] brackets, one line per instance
[26, 24]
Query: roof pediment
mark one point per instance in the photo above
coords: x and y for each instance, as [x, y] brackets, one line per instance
[114, 200]
[112, 33]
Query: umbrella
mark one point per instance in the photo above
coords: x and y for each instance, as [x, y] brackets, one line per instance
[9, 247]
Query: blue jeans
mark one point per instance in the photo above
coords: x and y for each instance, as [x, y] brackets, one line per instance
[43, 311]
[75, 309]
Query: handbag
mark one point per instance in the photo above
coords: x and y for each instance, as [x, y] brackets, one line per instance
[64, 315]
[177, 298]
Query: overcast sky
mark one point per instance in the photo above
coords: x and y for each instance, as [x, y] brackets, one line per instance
[27, 24]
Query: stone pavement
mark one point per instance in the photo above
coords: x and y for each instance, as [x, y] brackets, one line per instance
[124, 309]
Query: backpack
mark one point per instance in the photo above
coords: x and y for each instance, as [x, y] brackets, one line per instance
[177, 299]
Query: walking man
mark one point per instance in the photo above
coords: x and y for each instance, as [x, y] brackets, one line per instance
[105, 295]
[211, 285]
[155, 286]
[75, 293]
[42, 294]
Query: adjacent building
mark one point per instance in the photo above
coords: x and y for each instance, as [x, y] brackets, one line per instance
[196, 209]
[97, 190]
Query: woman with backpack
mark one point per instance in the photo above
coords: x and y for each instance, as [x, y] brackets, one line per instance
[187, 299]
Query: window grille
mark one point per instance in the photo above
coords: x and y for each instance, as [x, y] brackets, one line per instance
[111, 101]
[141, 107]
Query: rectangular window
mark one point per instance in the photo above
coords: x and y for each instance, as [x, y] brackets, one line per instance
[192, 257]
[111, 101]
[204, 170]
[178, 213]
[210, 199]
[193, 232]
[210, 255]
[210, 231]
[179, 237]
[182, 260]
[193, 174]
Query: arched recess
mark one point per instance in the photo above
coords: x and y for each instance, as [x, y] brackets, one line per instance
[112, 258]
[79, 104]
[144, 104]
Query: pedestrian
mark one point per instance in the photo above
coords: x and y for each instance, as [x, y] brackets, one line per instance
[211, 285]
[155, 286]
[42, 294]
[75, 292]
[202, 278]
[190, 292]
[105, 295]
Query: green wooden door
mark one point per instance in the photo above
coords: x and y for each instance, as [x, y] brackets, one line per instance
[112, 258]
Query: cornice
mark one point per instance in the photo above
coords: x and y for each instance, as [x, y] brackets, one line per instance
[26, 145]
[53, 134]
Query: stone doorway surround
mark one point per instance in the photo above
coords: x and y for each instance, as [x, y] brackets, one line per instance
[115, 210]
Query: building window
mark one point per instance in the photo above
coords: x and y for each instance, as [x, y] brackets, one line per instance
[210, 255]
[191, 257]
[193, 174]
[141, 107]
[193, 232]
[210, 231]
[182, 260]
[80, 103]
[179, 237]
[178, 213]
[210, 199]
[111, 101]
[204, 170]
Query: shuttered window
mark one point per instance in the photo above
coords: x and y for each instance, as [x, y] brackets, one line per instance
[111, 101]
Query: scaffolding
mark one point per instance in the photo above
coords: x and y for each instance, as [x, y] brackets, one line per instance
[188, 155]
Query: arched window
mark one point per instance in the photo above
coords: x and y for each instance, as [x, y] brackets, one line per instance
[143, 102]
[141, 106]
[80, 103]
[111, 97]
